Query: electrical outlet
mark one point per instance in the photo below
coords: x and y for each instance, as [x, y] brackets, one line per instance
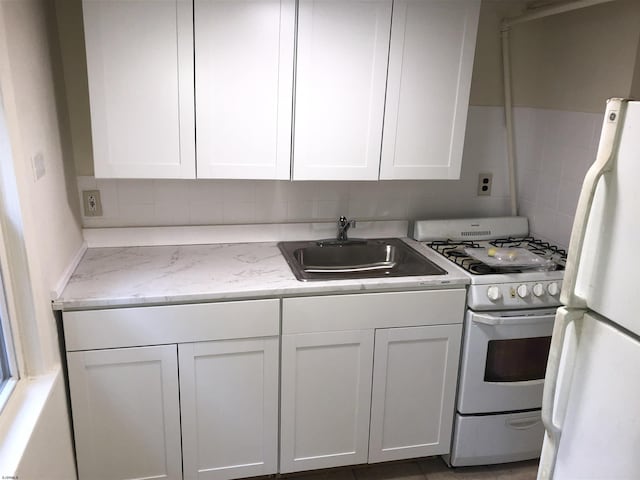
[484, 183]
[91, 203]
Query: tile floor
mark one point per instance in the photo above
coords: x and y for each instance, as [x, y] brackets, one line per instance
[425, 469]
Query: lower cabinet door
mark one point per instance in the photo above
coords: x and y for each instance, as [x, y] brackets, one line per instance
[126, 413]
[414, 387]
[326, 398]
[229, 406]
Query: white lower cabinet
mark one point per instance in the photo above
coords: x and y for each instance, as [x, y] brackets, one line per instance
[379, 385]
[414, 388]
[360, 378]
[202, 403]
[326, 394]
[126, 413]
[127, 410]
[229, 406]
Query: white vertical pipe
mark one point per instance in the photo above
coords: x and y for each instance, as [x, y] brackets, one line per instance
[508, 113]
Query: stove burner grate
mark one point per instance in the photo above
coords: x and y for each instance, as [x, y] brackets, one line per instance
[453, 250]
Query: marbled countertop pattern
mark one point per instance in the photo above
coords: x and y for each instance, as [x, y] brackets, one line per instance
[157, 275]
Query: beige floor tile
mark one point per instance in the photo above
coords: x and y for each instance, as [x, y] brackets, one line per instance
[520, 471]
[390, 471]
[432, 468]
[435, 469]
[343, 473]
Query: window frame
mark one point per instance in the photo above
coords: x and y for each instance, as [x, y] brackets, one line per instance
[9, 374]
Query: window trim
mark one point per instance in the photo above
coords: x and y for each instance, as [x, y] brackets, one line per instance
[9, 361]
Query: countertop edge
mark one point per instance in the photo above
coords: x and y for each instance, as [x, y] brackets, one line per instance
[322, 289]
[455, 278]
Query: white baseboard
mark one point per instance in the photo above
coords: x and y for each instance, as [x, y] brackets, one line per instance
[66, 275]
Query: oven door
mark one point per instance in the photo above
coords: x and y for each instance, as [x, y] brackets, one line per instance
[504, 360]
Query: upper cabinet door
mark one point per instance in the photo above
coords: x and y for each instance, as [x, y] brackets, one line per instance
[244, 87]
[430, 64]
[140, 71]
[342, 55]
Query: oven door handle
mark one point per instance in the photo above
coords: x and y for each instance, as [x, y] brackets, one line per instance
[524, 423]
[522, 320]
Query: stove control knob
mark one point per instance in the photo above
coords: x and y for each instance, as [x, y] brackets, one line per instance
[538, 290]
[523, 290]
[553, 289]
[494, 293]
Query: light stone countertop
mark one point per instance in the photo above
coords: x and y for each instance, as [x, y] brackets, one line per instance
[157, 275]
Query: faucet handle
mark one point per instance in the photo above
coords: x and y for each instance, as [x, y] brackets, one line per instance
[343, 227]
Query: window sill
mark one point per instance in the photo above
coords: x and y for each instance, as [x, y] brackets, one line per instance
[20, 416]
[5, 393]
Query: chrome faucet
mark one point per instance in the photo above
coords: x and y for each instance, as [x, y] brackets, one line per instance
[343, 228]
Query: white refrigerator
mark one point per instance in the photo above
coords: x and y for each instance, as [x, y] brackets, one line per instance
[591, 404]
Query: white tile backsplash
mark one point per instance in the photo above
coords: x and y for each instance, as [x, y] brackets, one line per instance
[568, 197]
[554, 150]
[547, 190]
[200, 213]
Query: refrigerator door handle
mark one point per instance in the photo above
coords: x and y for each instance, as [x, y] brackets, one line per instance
[604, 162]
[554, 378]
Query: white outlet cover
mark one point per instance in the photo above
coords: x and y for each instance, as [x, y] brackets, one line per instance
[91, 204]
[37, 162]
[485, 181]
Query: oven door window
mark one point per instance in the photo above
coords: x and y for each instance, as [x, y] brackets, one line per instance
[517, 360]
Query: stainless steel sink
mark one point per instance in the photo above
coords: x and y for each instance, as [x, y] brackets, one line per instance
[336, 260]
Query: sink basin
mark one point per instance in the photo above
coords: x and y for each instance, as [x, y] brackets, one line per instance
[333, 260]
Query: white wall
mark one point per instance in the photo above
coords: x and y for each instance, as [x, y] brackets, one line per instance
[51, 234]
[574, 61]
[486, 84]
[49, 227]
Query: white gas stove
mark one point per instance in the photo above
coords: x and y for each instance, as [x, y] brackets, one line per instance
[498, 286]
[515, 287]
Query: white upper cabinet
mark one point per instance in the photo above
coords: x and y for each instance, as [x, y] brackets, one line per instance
[140, 72]
[244, 87]
[430, 64]
[340, 87]
[375, 97]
